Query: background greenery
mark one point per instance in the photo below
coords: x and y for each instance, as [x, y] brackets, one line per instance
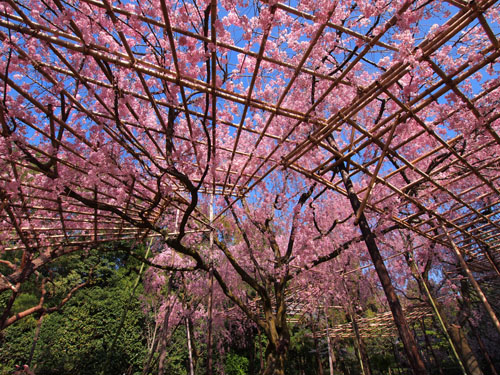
[78, 339]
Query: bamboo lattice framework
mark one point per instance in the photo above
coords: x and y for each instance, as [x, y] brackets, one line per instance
[88, 67]
[378, 326]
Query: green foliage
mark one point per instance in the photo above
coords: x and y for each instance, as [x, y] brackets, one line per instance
[301, 358]
[236, 364]
[77, 339]
[177, 361]
[15, 344]
[381, 355]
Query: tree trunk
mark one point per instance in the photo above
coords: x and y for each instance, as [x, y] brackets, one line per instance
[410, 345]
[331, 354]
[275, 363]
[151, 351]
[484, 351]
[163, 352]
[464, 350]
[466, 270]
[279, 343]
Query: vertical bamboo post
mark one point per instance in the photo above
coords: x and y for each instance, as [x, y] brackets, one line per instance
[415, 270]
[359, 344]
[190, 351]
[363, 361]
[328, 342]
[211, 291]
[316, 346]
[484, 351]
[213, 38]
[472, 280]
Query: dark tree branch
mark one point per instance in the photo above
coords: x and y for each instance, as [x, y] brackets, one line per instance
[40, 308]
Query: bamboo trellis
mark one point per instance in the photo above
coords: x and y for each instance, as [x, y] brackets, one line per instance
[381, 325]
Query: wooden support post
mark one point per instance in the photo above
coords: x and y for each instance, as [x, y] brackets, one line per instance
[316, 347]
[410, 345]
[484, 351]
[331, 355]
[210, 293]
[190, 351]
[468, 357]
[433, 304]
[472, 280]
[360, 345]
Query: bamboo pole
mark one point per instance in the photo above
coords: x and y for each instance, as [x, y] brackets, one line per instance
[360, 347]
[190, 350]
[316, 346]
[473, 281]
[484, 351]
[35, 338]
[331, 355]
[210, 294]
[431, 300]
